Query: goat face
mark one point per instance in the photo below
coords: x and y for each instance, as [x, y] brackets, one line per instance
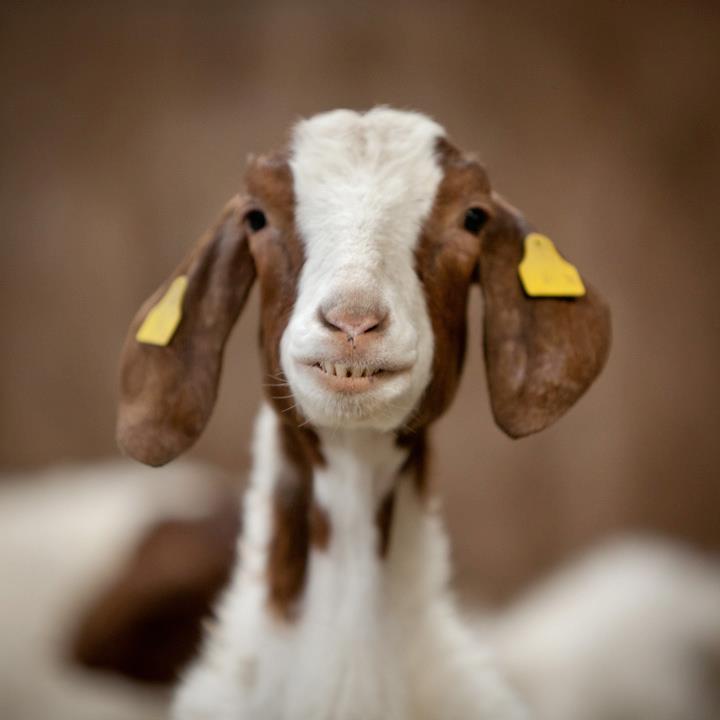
[358, 347]
[366, 236]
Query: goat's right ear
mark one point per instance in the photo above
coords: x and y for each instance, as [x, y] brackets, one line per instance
[170, 371]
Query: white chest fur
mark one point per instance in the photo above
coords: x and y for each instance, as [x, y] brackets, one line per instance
[374, 639]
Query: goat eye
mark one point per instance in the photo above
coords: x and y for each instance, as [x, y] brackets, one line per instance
[475, 219]
[256, 220]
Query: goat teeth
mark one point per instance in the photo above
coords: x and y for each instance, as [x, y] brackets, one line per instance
[342, 370]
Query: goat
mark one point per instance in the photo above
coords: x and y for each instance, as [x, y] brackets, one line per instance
[366, 235]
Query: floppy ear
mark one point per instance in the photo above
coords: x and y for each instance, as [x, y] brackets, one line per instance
[541, 353]
[168, 389]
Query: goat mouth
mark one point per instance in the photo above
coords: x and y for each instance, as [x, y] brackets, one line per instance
[351, 377]
[343, 370]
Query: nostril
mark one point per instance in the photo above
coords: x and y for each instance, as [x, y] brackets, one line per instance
[353, 321]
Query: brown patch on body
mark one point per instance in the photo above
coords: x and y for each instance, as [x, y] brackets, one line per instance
[147, 624]
[383, 520]
[416, 463]
[298, 521]
[290, 545]
[320, 528]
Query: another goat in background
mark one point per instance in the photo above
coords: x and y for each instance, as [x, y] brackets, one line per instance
[366, 236]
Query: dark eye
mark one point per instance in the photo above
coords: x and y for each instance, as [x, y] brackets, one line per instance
[475, 219]
[256, 220]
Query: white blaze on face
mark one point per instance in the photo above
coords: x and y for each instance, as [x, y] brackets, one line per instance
[364, 184]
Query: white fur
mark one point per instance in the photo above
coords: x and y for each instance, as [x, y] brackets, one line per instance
[363, 184]
[373, 640]
[631, 630]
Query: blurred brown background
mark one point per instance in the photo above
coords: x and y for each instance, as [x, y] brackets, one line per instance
[125, 127]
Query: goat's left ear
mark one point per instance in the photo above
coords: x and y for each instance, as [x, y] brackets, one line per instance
[541, 353]
[171, 361]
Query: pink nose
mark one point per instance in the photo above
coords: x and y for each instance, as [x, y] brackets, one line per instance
[353, 321]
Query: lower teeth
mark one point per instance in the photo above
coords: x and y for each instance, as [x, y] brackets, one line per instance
[348, 372]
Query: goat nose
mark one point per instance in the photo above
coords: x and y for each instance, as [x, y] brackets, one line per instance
[353, 321]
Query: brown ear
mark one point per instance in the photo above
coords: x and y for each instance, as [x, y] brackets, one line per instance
[167, 393]
[541, 354]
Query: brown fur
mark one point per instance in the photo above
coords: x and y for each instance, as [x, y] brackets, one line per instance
[446, 262]
[279, 255]
[167, 393]
[541, 353]
[320, 527]
[417, 460]
[148, 623]
[297, 521]
[383, 521]
[289, 547]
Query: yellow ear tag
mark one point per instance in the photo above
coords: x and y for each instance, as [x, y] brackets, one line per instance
[544, 273]
[163, 319]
